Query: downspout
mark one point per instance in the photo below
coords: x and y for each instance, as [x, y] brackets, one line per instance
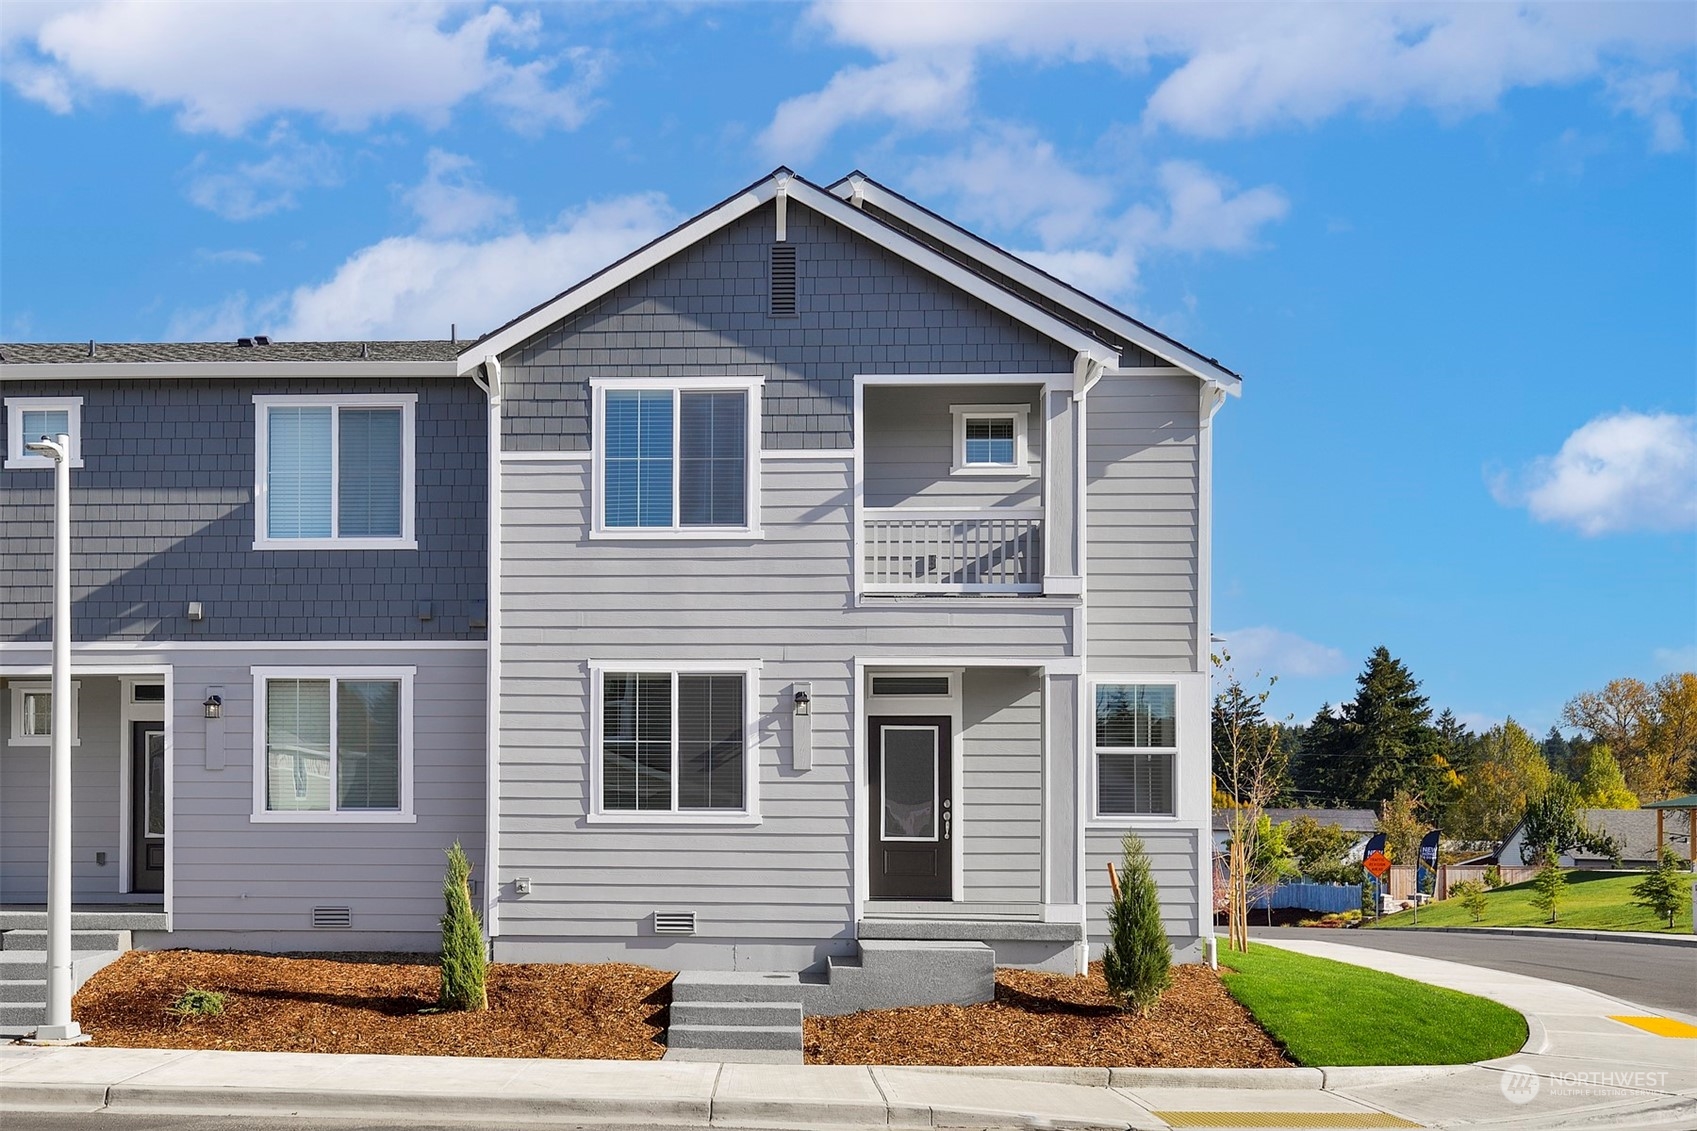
[1086, 371]
[1212, 397]
[492, 661]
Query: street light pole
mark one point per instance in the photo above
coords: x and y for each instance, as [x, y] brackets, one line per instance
[58, 1026]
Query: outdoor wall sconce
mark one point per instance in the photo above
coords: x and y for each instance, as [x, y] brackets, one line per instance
[803, 703]
[197, 611]
[214, 706]
[801, 728]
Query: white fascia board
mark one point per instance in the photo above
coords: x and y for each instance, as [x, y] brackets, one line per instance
[618, 274]
[221, 370]
[951, 272]
[1014, 268]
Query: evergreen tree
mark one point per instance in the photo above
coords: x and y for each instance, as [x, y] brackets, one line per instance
[1257, 732]
[1664, 890]
[1383, 741]
[1137, 961]
[1549, 885]
[1321, 769]
[465, 966]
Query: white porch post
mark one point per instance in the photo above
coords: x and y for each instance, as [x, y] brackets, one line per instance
[58, 1025]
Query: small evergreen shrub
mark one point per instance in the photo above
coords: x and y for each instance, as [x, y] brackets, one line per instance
[1664, 890]
[1549, 885]
[1493, 877]
[193, 1002]
[1472, 896]
[1138, 960]
[465, 966]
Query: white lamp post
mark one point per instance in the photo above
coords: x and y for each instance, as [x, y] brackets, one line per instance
[58, 1026]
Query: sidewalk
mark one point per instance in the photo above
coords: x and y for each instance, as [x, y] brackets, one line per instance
[1570, 1074]
[1559, 933]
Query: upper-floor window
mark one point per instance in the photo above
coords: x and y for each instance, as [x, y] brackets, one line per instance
[1136, 742]
[334, 472]
[29, 419]
[676, 458]
[989, 439]
[32, 713]
[333, 745]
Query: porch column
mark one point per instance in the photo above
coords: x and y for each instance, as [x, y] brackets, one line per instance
[1062, 485]
[1063, 843]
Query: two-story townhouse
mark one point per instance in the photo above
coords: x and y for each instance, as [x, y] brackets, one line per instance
[831, 579]
[279, 590]
[851, 585]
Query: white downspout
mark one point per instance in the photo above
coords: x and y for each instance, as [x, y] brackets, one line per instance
[492, 663]
[1212, 397]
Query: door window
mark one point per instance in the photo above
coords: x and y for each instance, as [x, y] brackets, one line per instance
[909, 778]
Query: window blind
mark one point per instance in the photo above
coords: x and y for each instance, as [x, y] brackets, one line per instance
[369, 459]
[710, 742]
[368, 744]
[638, 464]
[297, 474]
[712, 453]
[297, 744]
[51, 423]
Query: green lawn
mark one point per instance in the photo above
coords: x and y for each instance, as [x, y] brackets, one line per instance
[1598, 901]
[1332, 1013]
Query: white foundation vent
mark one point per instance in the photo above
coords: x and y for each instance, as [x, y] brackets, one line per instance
[332, 917]
[674, 922]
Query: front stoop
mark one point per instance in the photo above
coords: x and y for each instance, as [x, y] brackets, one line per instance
[98, 938]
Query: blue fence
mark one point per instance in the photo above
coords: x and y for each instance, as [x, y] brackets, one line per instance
[1311, 897]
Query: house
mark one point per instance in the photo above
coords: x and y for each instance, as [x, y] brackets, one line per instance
[1363, 823]
[1633, 829]
[833, 580]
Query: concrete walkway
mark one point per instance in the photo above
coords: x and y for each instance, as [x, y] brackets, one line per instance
[1579, 1069]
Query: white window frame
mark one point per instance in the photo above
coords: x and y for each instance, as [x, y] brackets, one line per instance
[1122, 819]
[404, 771]
[20, 690]
[1018, 413]
[17, 456]
[749, 814]
[262, 405]
[751, 387]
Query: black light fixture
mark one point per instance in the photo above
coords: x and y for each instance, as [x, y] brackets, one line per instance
[803, 703]
[214, 706]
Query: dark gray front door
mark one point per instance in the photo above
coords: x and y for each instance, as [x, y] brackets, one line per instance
[147, 806]
[912, 807]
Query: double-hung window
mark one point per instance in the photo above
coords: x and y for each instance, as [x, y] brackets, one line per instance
[675, 742]
[333, 745]
[1136, 743]
[334, 472]
[677, 459]
[29, 419]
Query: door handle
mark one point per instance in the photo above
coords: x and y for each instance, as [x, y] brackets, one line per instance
[946, 818]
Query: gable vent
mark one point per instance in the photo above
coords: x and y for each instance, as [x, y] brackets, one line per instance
[674, 922]
[783, 278]
[332, 917]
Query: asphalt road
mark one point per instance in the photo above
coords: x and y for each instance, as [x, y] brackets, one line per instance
[134, 1121]
[1657, 976]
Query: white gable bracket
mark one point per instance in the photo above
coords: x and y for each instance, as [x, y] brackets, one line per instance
[783, 198]
[1086, 371]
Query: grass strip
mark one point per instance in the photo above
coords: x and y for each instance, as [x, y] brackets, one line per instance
[1329, 1013]
[1593, 901]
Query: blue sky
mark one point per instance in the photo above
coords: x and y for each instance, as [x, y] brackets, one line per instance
[1453, 249]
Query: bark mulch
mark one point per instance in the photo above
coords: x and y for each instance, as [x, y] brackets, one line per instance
[1056, 1019]
[374, 1004]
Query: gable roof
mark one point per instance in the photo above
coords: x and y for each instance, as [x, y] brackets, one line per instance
[575, 298]
[1022, 277]
[1635, 829]
[27, 361]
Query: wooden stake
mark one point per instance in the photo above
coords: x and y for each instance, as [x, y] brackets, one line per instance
[1113, 882]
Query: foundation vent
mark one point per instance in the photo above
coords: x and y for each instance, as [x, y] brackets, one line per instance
[332, 918]
[674, 922]
[783, 279]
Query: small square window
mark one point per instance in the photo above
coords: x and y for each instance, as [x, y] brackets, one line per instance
[29, 419]
[32, 713]
[990, 439]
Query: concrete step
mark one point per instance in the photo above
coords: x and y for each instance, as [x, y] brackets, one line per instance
[27, 939]
[31, 965]
[22, 1014]
[967, 930]
[780, 1038]
[120, 918]
[751, 1014]
[23, 990]
[736, 986]
[894, 973]
[736, 1056]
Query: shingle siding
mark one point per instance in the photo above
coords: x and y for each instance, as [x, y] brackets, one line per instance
[163, 514]
[704, 312]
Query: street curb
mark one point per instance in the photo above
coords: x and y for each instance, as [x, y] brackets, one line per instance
[1555, 933]
[52, 1097]
[469, 1106]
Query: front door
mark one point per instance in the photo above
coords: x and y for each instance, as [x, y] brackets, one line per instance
[912, 807]
[147, 806]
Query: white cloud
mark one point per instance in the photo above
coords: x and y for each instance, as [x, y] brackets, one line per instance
[1011, 178]
[1203, 214]
[452, 201]
[258, 188]
[415, 286]
[1682, 659]
[1246, 67]
[225, 66]
[1660, 99]
[1627, 471]
[910, 92]
[242, 255]
[1274, 652]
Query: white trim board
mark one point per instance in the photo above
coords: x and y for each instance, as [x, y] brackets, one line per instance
[714, 219]
[43, 647]
[857, 186]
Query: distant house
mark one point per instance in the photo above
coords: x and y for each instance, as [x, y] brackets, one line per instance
[1634, 829]
[1362, 822]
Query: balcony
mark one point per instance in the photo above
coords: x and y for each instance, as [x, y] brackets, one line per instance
[908, 551]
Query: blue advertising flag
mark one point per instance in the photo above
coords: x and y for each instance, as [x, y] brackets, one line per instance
[1428, 861]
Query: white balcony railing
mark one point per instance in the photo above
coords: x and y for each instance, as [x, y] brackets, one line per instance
[907, 550]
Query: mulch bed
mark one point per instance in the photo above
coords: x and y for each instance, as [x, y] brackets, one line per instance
[374, 1004]
[1054, 1019]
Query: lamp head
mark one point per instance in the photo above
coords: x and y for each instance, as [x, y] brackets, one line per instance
[53, 449]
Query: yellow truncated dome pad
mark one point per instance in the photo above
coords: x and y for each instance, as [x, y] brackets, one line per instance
[1661, 1026]
[1282, 1119]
